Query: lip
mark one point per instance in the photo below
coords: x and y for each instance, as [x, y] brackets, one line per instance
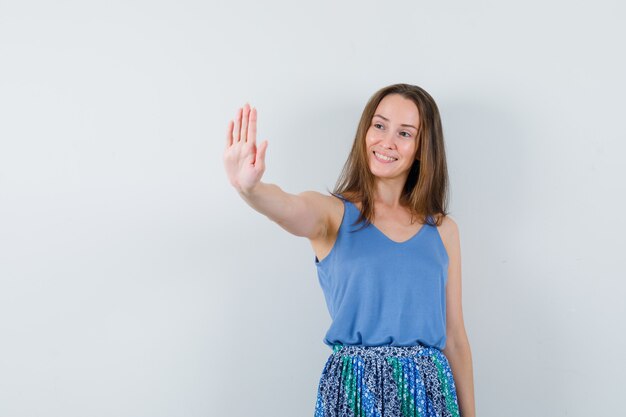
[374, 152]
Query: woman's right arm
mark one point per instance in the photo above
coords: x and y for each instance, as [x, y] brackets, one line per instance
[306, 214]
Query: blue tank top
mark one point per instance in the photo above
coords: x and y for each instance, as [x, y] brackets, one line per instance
[381, 292]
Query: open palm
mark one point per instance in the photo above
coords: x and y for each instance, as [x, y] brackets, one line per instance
[244, 163]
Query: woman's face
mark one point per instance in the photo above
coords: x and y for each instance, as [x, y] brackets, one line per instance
[392, 134]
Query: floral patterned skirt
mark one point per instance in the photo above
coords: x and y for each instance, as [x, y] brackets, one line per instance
[386, 381]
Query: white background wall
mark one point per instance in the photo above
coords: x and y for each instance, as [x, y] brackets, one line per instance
[135, 282]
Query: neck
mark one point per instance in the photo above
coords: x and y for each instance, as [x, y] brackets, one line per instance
[388, 193]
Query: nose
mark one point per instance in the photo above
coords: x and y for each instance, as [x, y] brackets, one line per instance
[386, 140]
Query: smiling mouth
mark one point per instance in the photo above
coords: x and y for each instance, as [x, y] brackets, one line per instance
[384, 158]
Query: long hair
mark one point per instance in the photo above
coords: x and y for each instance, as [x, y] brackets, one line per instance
[425, 191]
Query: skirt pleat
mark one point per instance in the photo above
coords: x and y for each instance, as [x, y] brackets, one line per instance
[386, 381]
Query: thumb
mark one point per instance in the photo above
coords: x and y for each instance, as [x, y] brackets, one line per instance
[260, 155]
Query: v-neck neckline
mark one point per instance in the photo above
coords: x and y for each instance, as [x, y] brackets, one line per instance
[394, 241]
[419, 231]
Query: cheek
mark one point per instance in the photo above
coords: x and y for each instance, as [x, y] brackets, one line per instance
[409, 149]
[371, 136]
[408, 146]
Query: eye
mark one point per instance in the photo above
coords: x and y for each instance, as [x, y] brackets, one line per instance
[376, 125]
[408, 135]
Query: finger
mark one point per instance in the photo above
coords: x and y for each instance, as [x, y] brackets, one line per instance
[260, 155]
[237, 124]
[244, 122]
[229, 134]
[252, 127]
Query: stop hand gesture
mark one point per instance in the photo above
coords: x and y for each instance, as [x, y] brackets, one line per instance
[244, 163]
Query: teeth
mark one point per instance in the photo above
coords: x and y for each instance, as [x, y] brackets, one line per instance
[386, 158]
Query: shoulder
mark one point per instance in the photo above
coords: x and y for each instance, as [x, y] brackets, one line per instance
[331, 206]
[448, 225]
[318, 199]
[449, 231]
[329, 211]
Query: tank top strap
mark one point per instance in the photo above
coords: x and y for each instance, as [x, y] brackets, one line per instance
[349, 216]
[339, 195]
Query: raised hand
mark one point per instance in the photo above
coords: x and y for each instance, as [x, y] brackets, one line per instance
[244, 164]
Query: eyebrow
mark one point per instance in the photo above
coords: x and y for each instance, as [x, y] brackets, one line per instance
[384, 118]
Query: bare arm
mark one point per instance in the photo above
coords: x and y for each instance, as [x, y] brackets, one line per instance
[305, 214]
[457, 348]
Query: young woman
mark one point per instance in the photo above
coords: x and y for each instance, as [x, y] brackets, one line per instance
[388, 259]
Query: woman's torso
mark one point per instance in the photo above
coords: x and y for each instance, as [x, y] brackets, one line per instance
[383, 289]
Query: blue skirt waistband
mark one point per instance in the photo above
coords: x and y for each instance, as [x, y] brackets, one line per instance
[384, 350]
